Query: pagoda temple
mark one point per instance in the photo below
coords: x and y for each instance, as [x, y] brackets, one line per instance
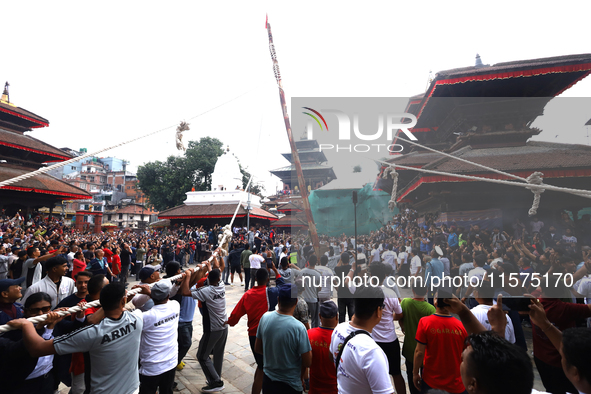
[316, 174]
[21, 154]
[484, 114]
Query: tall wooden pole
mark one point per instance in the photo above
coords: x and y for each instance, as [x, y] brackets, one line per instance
[294, 151]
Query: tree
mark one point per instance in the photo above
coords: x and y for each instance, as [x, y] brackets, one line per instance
[255, 188]
[357, 168]
[165, 183]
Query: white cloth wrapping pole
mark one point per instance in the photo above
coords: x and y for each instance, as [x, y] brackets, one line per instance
[535, 179]
[391, 171]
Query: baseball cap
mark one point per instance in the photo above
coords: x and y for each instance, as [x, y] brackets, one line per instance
[328, 309]
[285, 291]
[6, 283]
[146, 272]
[161, 289]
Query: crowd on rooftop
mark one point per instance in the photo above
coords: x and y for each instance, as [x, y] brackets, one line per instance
[311, 325]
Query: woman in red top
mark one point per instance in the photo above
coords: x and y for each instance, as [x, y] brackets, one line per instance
[79, 263]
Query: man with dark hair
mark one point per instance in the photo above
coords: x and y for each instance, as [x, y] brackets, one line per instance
[159, 345]
[55, 283]
[245, 263]
[562, 315]
[147, 275]
[384, 333]
[81, 283]
[234, 263]
[323, 378]
[311, 280]
[413, 309]
[345, 299]
[10, 292]
[215, 331]
[440, 341]
[574, 346]
[113, 344]
[325, 293]
[488, 357]
[285, 347]
[31, 268]
[254, 304]
[361, 365]
[187, 313]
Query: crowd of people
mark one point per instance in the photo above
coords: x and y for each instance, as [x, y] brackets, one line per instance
[463, 297]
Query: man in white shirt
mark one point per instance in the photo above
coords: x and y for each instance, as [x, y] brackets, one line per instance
[55, 283]
[389, 257]
[415, 264]
[32, 264]
[255, 260]
[325, 293]
[159, 345]
[384, 333]
[484, 295]
[362, 366]
[375, 253]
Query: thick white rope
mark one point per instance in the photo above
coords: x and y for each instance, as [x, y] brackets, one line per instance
[464, 160]
[78, 158]
[224, 241]
[76, 309]
[578, 192]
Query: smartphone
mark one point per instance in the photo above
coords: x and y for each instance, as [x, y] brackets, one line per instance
[520, 304]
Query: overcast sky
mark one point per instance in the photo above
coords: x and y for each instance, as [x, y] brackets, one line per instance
[102, 72]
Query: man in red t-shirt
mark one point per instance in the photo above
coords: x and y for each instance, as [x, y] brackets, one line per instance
[440, 342]
[323, 377]
[254, 304]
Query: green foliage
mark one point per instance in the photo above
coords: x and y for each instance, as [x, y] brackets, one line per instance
[165, 183]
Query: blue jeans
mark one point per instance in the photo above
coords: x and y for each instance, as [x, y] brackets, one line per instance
[185, 339]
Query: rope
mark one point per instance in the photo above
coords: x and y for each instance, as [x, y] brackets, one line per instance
[391, 171]
[464, 160]
[76, 309]
[226, 237]
[577, 192]
[530, 186]
[78, 158]
[535, 179]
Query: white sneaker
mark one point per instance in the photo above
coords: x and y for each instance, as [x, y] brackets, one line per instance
[242, 283]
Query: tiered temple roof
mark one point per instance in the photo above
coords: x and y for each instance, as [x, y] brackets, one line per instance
[315, 172]
[21, 154]
[484, 115]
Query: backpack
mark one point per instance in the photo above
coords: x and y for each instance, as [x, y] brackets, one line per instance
[342, 349]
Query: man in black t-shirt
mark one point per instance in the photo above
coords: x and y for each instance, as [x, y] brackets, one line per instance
[125, 262]
[345, 299]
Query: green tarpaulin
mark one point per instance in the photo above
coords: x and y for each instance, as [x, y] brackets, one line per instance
[334, 215]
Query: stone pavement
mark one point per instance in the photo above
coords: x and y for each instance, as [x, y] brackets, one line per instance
[239, 364]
